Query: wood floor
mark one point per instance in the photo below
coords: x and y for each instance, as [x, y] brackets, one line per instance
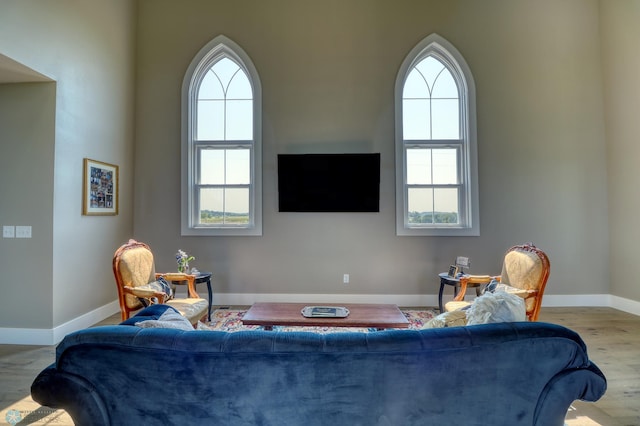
[613, 344]
[612, 338]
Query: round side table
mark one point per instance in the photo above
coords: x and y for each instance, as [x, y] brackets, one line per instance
[201, 277]
[446, 279]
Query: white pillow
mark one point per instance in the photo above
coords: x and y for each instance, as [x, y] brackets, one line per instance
[169, 319]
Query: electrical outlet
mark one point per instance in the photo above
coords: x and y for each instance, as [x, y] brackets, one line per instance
[8, 231]
[23, 232]
[345, 278]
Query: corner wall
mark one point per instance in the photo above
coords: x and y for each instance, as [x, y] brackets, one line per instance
[27, 129]
[63, 273]
[621, 68]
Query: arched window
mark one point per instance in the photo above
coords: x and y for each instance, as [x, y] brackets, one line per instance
[221, 146]
[436, 153]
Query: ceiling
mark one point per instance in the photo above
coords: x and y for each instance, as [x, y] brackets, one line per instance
[14, 72]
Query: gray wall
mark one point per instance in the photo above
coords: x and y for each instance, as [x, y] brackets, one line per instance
[549, 76]
[328, 70]
[27, 115]
[87, 48]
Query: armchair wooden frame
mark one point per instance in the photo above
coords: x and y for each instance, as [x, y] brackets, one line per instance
[533, 311]
[150, 295]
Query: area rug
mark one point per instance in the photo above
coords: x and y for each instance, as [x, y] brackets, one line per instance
[231, 320]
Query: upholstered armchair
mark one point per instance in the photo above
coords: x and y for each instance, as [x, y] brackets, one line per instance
[137, 282]
[525, 271]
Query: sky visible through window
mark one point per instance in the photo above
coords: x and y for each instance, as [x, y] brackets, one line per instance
[431, 113]
[225, 167]
[224, 115]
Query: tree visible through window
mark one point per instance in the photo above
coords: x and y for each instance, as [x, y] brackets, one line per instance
[221, 189]
[435, 143]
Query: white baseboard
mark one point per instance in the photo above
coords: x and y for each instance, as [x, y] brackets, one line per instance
[35, 336]
[30, 336]
[400, 300]
[626, 305]
[86, 320]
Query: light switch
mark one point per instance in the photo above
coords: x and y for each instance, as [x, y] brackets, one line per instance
[8, 232]
[23, 232]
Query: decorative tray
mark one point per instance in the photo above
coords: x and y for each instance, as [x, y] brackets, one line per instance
[324, 312]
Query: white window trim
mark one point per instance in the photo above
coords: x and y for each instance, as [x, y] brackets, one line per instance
[203, 59]
[470, 208]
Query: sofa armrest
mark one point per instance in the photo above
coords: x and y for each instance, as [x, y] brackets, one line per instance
[72, 393]
[585, 384]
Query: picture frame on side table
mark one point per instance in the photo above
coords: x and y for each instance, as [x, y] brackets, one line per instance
[462, 262]
[453, 271]
[99, 188]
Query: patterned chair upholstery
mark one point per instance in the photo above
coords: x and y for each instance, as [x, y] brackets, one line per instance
[134, 270]
[525, 271]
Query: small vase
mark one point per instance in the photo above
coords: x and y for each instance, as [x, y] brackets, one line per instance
[184, 268]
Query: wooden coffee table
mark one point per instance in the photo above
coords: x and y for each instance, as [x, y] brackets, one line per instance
[378, 316]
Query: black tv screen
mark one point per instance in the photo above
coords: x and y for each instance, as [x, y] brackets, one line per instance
[329, 182]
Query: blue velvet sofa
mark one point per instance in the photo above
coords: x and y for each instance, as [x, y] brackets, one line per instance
[496, 374]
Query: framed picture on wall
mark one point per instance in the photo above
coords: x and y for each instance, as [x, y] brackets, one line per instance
[99, 188]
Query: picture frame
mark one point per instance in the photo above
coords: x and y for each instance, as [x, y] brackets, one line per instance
[453, 271]
[100, 188]
[462, 262]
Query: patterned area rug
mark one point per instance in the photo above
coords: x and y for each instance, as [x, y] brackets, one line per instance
[231, 320]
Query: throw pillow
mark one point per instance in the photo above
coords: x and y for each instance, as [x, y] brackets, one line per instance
[169, 319]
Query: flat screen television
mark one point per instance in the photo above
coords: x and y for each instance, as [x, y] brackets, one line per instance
[329, 182]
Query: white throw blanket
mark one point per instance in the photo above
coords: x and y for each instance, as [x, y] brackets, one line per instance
[499, 306]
